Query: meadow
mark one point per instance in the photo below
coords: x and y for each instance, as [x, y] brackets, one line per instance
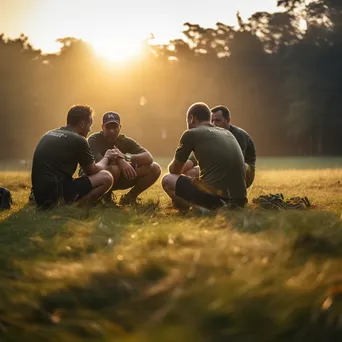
[148, 273]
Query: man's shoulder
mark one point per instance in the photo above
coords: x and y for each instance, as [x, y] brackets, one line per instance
[96, 136]
[189, 133]
[202, 130]
[124, 138]
[63, 132]
[238, 130]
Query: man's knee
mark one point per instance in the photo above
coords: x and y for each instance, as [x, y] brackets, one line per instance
[114, 171]
[193, 173]
[169, 182]
[152, 170]
[165, 181]
[156, 169]
[106, 178]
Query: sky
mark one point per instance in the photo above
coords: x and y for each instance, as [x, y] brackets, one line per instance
[125, 23]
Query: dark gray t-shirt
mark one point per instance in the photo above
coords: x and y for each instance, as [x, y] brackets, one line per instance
[246, 144]
[99, 145]
[220, 159]
[57, 155]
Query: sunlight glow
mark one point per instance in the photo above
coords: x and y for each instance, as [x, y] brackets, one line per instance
[117, 50]
[303, 25]
[116, 29]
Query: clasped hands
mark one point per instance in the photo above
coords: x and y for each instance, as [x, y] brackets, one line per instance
[115, 156]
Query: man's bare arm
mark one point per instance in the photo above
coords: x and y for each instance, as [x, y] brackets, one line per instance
[95, 168]
[189, 164]
[102, 164]
[176, 167]
[143, 158]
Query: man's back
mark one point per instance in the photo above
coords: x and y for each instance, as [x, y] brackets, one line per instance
[220, 160]
[57, 155]
[246, 144]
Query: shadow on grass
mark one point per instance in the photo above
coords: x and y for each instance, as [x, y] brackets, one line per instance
[114, 304]
[304, 234]
[110, 302]
[297, 316]
[31, 233]
[30, 237]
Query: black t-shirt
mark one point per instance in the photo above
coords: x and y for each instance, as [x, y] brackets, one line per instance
[57, 155]
[246, 144]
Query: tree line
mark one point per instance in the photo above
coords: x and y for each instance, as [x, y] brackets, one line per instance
[279, 73]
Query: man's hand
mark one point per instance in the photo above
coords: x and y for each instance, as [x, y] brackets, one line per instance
[119, 153]
[111, 155]
[176, 167]
[127, 169]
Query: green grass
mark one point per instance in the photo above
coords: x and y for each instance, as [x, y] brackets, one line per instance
[151, 274]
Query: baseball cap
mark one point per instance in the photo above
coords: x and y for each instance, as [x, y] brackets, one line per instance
[110, 117]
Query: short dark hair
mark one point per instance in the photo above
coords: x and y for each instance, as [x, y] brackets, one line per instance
[200, 111]
[225, 111]
[78, 113]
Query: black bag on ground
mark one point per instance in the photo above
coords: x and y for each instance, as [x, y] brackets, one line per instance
[5, 198]
[279, 202]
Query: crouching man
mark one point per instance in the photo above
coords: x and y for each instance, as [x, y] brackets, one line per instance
[56, 158]
[221, 165]
[134, 167]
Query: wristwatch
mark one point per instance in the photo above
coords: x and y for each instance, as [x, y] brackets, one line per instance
[128, 157]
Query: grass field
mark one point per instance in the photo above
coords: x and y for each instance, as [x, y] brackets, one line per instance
[151, 274]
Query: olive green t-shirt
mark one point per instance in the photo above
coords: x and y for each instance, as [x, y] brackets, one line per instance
[99, 145]
[220, 159]
[57, 155]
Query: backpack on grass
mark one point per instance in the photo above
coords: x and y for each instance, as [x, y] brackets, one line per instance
[5, 198]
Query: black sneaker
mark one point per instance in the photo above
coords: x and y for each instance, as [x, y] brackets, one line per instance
[31, 197]
[129, 200]
[180, 206]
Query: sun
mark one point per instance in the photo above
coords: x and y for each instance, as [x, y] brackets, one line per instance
[303, 25]
[117, 50]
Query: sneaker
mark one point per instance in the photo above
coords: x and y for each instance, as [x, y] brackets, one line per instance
[180, 206]
[31, 197]
[108, 197]
[129, 200]
[200, 211]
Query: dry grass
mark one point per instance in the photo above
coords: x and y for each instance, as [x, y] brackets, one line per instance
[150, 274]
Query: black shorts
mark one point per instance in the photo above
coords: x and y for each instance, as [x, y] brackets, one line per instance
[68, 191]
[124, 183]
[187, 189]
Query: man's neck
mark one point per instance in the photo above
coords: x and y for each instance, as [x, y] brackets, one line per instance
[74, 129]
[110, 142]
[204, 123]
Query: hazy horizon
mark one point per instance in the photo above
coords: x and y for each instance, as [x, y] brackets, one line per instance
[105, 22]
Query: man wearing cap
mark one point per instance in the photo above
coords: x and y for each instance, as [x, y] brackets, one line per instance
[134, 167]
[221, 117]
[55, 161]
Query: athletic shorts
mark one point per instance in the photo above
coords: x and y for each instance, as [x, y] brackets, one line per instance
[68, 191]
[188, 190]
